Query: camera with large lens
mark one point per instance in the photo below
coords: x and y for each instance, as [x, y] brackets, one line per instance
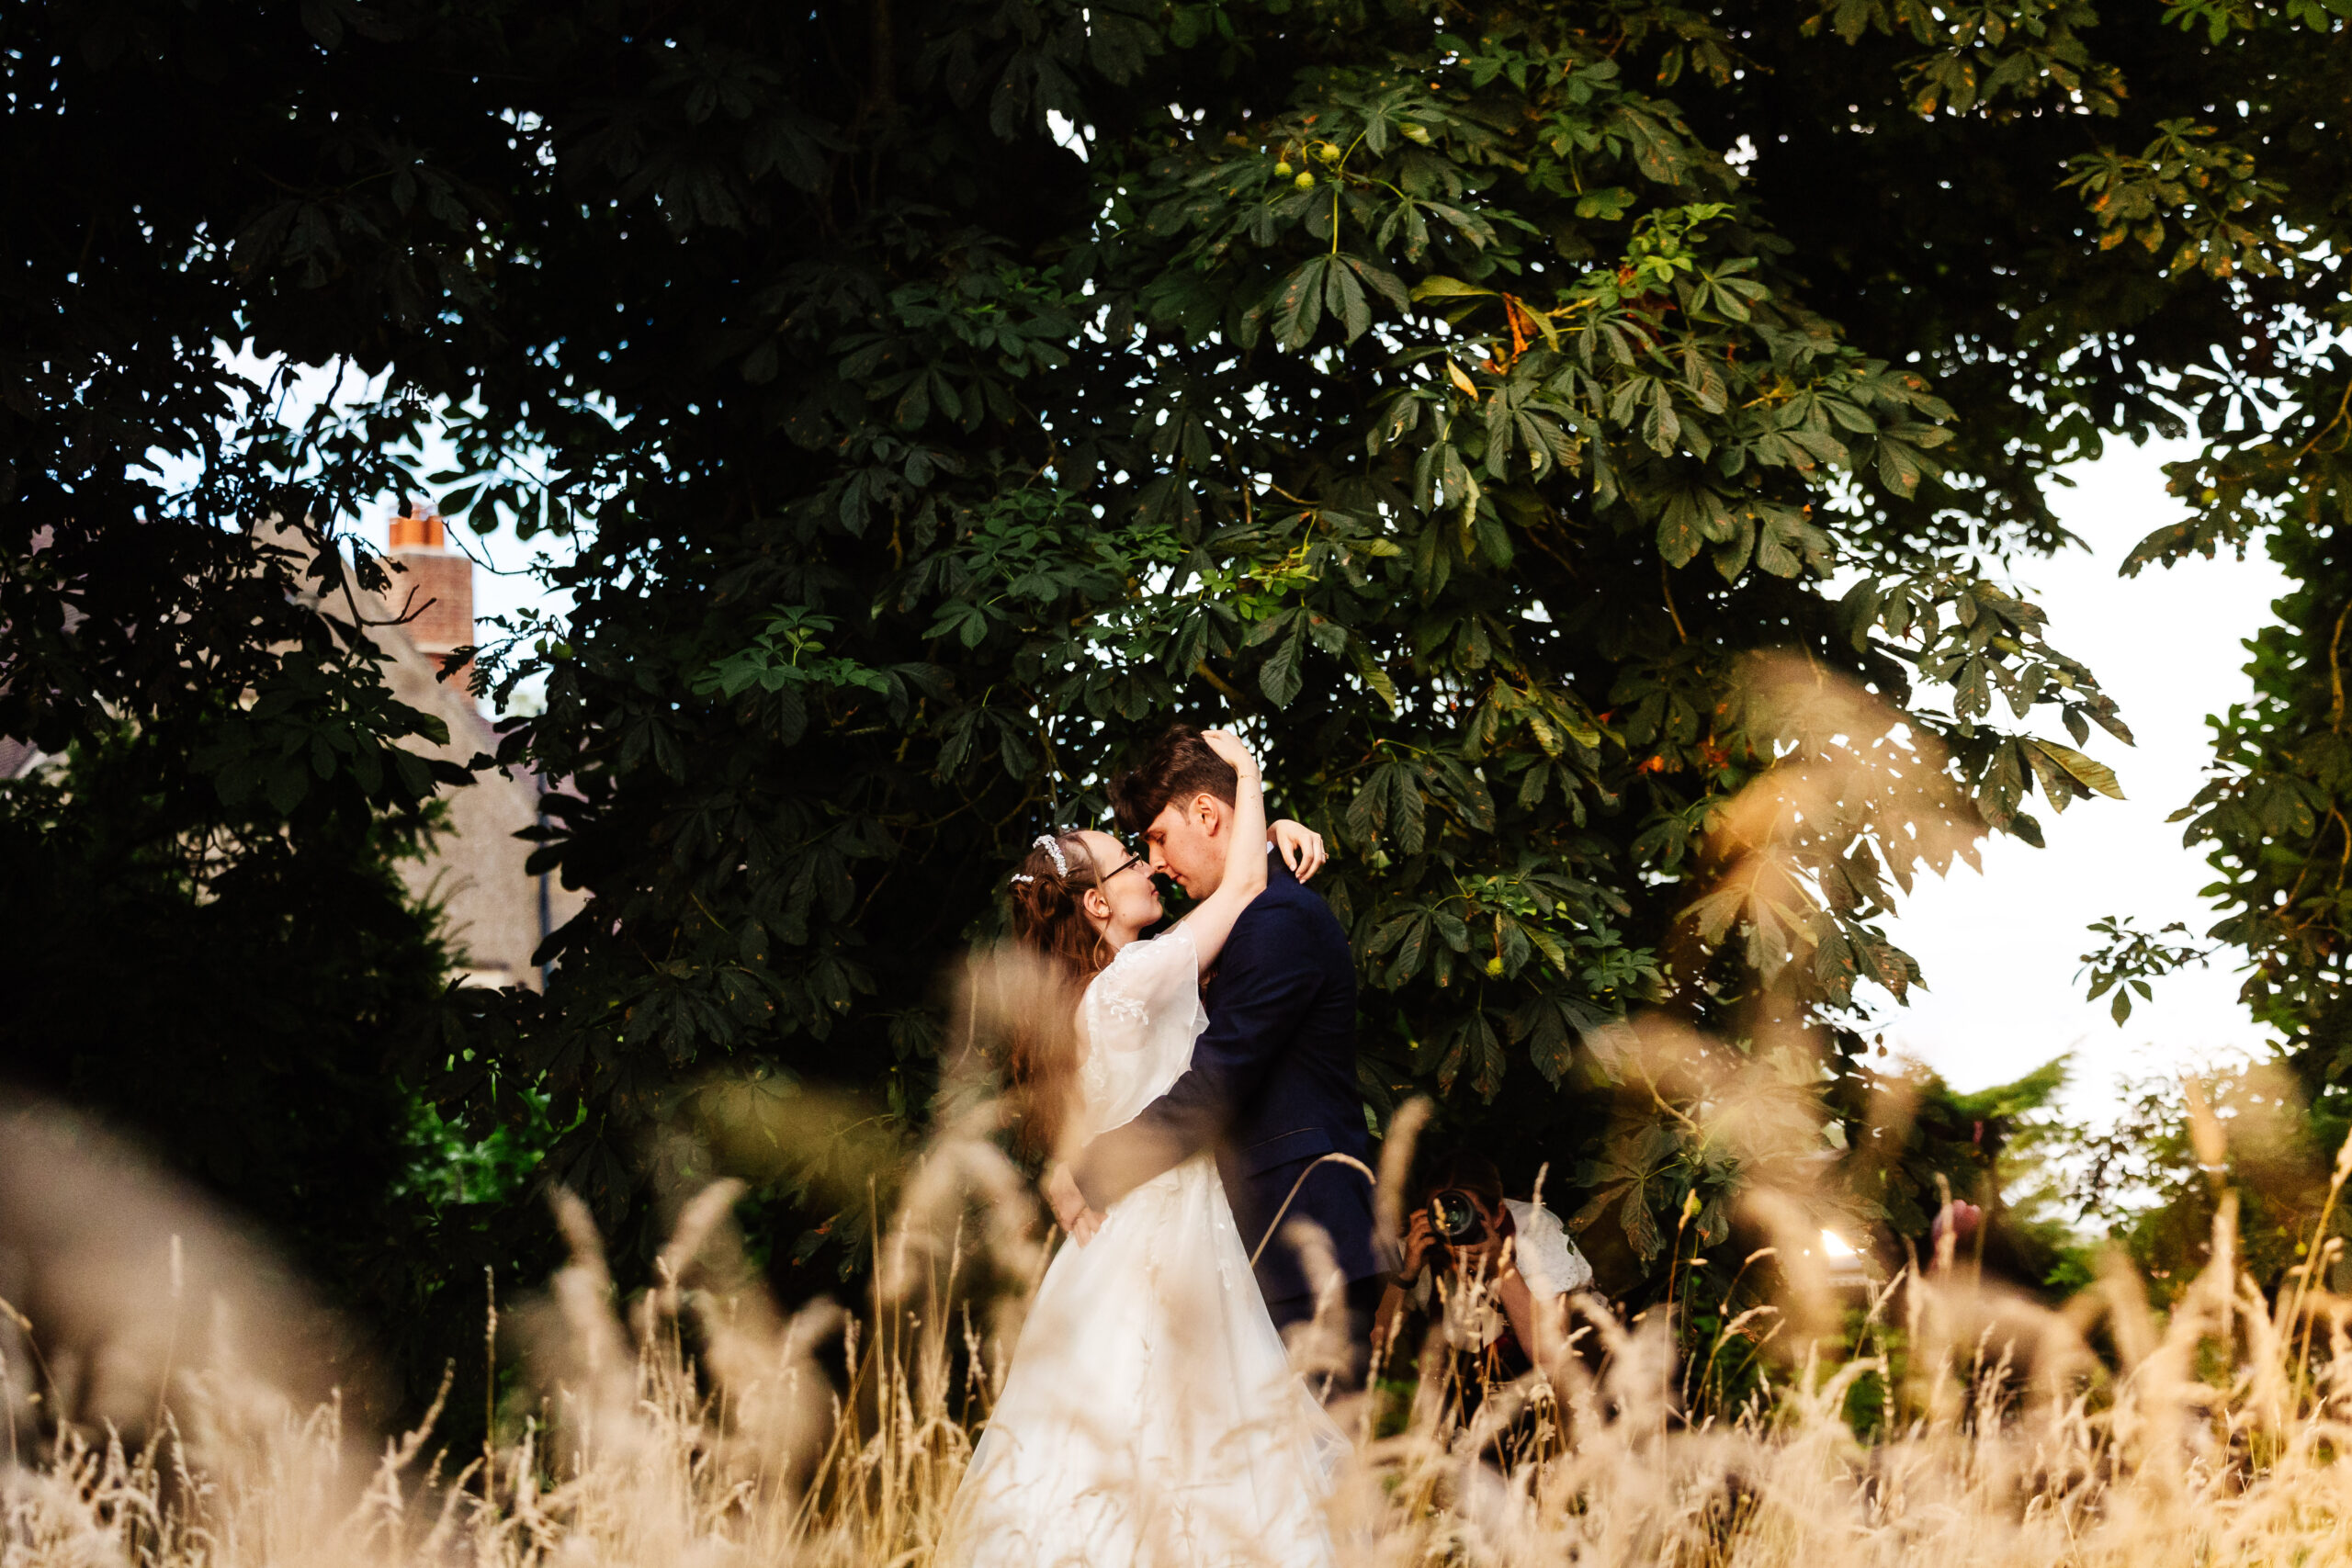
[1454, 1217]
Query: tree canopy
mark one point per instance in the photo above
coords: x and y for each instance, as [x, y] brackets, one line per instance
[942, 394]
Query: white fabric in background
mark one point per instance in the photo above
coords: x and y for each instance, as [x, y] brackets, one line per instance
[1551, 1263]
[1150, 1418]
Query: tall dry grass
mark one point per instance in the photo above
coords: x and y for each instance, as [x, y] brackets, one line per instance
[699, 1425]
[1933, 1418]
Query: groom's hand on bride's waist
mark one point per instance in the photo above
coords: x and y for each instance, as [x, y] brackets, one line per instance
[1061, 1191]
[1069, 1205]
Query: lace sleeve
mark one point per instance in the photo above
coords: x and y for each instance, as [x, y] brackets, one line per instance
[1147, 980]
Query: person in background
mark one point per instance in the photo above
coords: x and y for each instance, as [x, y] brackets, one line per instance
[1490, 1275]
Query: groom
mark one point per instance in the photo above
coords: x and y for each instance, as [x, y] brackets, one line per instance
[1273, 1084]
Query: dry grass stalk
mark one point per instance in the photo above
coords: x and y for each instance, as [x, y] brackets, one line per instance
[702, 1426]
[2209, 1436]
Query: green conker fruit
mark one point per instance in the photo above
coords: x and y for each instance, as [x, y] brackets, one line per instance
[1304, 181]
[1283, 170]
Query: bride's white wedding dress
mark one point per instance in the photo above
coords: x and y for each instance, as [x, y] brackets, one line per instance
[1151, 1416]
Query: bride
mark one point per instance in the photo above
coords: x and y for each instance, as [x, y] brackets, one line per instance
[1151, 1416]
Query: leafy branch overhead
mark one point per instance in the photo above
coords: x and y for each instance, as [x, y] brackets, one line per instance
[1586, 446]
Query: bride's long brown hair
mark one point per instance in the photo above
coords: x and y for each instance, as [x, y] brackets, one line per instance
[1050, 921]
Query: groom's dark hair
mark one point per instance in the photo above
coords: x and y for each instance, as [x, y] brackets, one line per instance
[1179, 766]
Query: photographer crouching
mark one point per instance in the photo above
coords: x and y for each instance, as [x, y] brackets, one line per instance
[1485, 1279]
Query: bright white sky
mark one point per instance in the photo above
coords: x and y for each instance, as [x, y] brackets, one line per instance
[2001, 949]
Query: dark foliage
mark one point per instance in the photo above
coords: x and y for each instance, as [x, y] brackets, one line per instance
[238, 990]
[1429, 387]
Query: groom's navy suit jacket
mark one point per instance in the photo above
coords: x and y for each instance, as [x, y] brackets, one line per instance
[1272, 1085]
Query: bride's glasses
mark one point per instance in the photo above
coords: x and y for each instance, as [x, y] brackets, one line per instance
[1131, 859]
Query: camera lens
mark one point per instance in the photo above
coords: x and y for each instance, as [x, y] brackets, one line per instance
[1455, 1217]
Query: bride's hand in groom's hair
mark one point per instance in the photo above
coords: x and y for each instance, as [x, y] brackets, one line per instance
[1227, 745]
[1301, 846]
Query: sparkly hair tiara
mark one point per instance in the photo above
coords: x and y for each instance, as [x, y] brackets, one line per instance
[1052, 845]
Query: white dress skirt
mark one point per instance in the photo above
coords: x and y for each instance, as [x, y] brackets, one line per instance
[1150, 1417]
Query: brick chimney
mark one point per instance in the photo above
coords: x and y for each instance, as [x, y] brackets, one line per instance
[437, 589]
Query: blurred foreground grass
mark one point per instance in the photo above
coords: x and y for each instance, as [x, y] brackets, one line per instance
[703, 1427]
